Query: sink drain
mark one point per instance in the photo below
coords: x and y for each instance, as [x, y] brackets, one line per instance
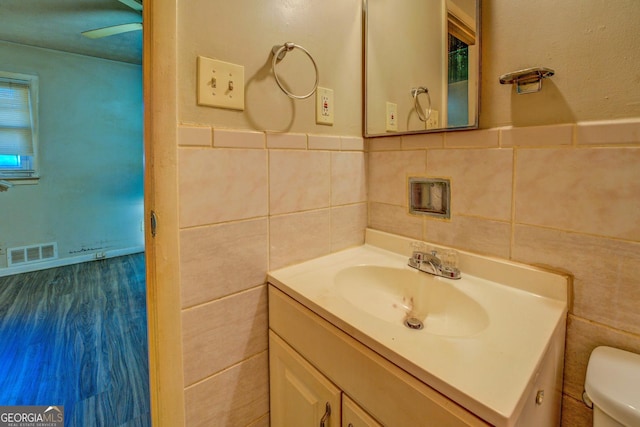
[413, 323]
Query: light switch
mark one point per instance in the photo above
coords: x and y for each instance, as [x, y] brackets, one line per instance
[220, 84]
[324, 106]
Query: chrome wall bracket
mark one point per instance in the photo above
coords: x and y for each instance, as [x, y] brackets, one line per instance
[528, 80]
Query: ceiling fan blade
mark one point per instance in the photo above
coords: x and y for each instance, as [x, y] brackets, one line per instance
[133, 4]
[99, 33]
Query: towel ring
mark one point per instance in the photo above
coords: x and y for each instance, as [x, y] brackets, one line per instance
[416, 102]
[279, 52]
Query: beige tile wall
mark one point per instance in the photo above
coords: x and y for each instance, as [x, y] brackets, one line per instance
[561, 196]
[250, 202]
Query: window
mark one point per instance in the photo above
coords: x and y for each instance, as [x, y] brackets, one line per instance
[18, 126]
[458, 60]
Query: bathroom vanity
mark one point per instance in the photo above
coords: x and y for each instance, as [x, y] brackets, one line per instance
[490, 351]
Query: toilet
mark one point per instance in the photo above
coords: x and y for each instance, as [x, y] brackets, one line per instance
[612, 384]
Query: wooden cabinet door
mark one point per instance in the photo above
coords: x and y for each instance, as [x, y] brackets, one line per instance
[355, 416]
[300, 395]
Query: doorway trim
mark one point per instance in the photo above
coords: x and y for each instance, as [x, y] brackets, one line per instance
[159, 66]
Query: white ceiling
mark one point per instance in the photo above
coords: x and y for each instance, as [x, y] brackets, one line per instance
[57, 24]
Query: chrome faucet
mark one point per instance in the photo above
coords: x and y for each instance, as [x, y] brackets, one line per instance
[432, 264]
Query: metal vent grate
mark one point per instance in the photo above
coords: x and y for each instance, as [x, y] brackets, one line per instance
[16, 256]
[31, 254]
[49, 251]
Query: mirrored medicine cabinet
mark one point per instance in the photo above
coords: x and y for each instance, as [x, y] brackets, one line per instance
[422, 66]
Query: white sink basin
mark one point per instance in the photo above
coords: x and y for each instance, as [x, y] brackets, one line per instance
[397, 295]
[485, 336]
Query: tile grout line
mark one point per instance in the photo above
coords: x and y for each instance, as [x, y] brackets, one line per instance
[512, 238]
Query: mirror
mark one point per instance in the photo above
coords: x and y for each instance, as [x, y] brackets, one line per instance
[422, 66]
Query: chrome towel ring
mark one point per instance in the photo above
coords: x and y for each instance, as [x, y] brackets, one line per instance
[279, 52]
[415, 92]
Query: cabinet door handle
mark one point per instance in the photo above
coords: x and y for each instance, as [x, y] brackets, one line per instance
[325, 417]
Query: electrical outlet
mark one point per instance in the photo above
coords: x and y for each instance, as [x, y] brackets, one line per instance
[392, 116]
[220, 84]
[432, 121]
[324, 106]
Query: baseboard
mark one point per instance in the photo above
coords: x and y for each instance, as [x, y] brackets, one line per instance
[60, 262]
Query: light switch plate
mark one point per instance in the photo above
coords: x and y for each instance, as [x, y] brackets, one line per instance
[392, 116]
[324, 106]
[220, 84]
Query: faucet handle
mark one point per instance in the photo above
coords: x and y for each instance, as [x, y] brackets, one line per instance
[450, 272]
[418, 255]
[450, 258]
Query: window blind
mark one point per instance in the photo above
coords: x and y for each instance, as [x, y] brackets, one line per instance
[16, 124]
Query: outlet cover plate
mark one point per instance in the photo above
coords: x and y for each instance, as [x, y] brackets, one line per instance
[392, 117]
[324, 106]
[220, 84]
[433, 120]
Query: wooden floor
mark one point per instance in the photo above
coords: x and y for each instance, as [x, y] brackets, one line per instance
[76, 336]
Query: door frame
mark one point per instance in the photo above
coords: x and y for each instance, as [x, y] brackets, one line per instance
[159, 66]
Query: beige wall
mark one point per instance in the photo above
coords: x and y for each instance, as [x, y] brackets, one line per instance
[553, 178]
[261, 188]
[279, 198]
[590, 45]
[244, 31]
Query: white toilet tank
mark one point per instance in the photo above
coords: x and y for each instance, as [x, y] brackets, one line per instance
[613, 385]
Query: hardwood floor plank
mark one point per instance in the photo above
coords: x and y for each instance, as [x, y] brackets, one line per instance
[76, 336]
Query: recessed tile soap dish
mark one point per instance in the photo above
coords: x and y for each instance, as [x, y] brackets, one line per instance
[430, 196]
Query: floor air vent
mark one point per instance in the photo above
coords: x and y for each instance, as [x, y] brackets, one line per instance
[30, 254]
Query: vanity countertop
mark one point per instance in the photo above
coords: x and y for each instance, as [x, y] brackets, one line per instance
[489, 372]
